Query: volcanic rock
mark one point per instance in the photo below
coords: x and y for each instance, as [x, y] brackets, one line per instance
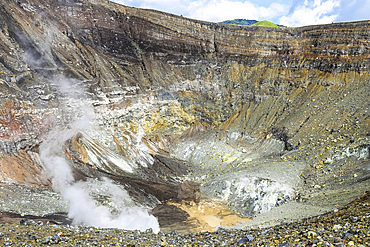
[156, 99]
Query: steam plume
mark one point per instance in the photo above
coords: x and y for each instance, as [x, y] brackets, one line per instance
[82, 207]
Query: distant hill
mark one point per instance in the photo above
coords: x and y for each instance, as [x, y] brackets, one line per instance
[245, 22]
[242, 22]
[264, 24]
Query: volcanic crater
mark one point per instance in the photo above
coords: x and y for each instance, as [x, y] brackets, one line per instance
[191, 124]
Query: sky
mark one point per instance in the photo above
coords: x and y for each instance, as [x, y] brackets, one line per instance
[292, 13]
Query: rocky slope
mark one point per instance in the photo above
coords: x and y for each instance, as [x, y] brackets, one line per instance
[274, 107]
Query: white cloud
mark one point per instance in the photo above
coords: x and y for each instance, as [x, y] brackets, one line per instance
[221, 10]
[286, 12]
[213, 10]
[177, 7]
[124, 2]
[354, 10]
[311, 12]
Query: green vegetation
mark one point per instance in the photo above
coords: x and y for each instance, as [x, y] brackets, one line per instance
[242, 22]
[245, 22]
[265, 24]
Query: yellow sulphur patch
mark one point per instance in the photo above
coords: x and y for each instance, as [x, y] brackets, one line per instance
[231, 159]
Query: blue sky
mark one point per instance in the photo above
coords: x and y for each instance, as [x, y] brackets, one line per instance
[286, 12]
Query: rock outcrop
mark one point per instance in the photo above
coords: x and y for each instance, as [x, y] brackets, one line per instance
[298, 94]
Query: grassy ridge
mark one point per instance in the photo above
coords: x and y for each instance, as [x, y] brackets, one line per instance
[264, 24]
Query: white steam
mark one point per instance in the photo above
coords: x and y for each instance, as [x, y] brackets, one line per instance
[83, 209]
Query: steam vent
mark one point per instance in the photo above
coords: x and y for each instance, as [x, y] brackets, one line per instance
[118, 117]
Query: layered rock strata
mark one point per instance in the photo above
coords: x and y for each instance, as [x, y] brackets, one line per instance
[297, 94]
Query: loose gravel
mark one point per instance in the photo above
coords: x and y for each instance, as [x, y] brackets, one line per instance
[346, 226]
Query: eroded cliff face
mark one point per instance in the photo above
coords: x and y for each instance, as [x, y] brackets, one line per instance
[293, 95]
